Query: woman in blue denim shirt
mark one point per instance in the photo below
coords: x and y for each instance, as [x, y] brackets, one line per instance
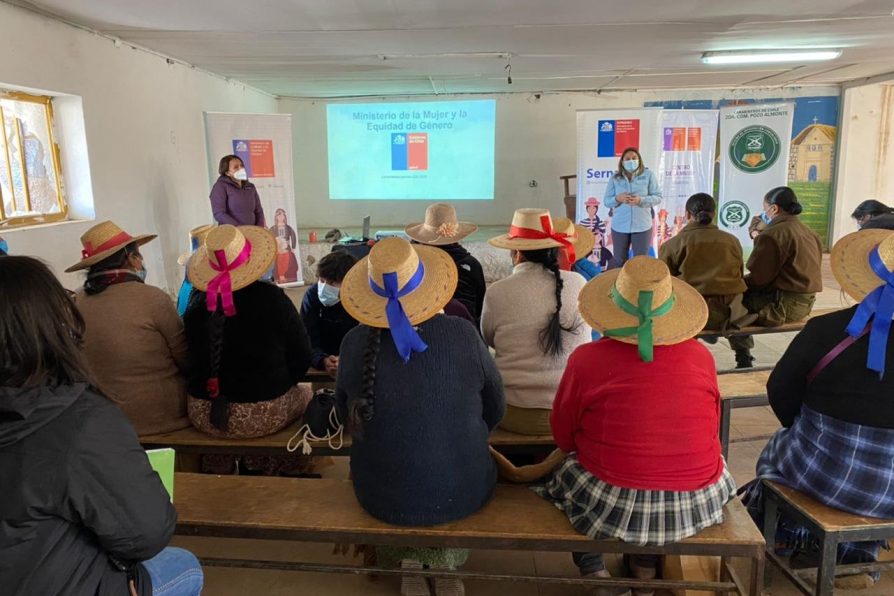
[631, 194]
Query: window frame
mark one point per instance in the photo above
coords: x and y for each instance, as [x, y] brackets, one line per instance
[26, 220]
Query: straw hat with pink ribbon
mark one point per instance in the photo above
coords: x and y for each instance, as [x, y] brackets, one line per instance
[102, 241]
[532, 229]
[230, 259]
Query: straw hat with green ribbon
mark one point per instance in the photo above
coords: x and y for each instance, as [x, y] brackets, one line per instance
[643, 304]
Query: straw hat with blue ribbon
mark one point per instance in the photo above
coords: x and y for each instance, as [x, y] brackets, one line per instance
[863, 264]
[642, 304]
[399, 285]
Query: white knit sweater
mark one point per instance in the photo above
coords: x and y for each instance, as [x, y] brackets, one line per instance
[515, 310]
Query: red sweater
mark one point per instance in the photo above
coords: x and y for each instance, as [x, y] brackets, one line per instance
[633, 424]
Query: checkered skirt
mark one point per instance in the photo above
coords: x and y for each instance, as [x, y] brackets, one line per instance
[642, 517]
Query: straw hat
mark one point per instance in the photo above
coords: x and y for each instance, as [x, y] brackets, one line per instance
[395, 255]
[582, 238]
[532, 223]
[232, 241]
[686, 317]
[440, 226]
[850, 260]
[102, 241]
[196, 239]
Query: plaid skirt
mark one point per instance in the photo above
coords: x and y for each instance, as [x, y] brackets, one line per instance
[642, 517]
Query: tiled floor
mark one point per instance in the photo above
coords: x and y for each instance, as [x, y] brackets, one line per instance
[749, 429]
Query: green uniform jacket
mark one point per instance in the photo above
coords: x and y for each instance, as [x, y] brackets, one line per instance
[707, 258]
[787, 256]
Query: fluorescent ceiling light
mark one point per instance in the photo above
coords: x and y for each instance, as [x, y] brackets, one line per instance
[759, 56]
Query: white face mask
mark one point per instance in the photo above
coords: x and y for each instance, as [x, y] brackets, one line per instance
[329, 295]
[240, 174]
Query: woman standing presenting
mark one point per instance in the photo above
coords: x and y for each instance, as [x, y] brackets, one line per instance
[235, 200]
[631, 194]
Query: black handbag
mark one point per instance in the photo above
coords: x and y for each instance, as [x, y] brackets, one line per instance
[320, 424]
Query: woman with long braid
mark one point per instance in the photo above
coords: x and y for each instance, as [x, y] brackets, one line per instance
[420, 394]
[531, 319]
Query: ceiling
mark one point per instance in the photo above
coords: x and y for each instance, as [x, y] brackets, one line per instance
[335, 48]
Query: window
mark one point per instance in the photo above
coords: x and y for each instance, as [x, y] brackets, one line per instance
[30, 176]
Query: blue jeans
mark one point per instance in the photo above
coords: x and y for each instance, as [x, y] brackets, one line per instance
[175, 572]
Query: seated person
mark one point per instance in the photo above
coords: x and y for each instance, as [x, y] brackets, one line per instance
[323, 315]
[874, 215]
[420, 394]
[82, 510]
[784, 270]
[134, 339]
[532, 321]
[442, 229]
[710, 260]
[644, 438]
[576, 255]
[196, 238]
[832, 391]
[248, 347]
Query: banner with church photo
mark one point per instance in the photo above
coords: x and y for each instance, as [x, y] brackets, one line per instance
[264, 144]
[602, 137]
[689, 141]
[754, 152]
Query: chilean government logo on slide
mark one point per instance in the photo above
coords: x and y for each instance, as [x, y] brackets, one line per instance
[735, 214]
[409, 151]
[616, 135]
[754, 149]
[257, 155]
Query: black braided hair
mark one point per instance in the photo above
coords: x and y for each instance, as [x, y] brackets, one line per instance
[701, 207]
[551, 334]
[362, 409]
[220, 411]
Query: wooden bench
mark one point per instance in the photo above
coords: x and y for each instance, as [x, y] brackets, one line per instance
[740, 390]
[316, 376]
[830, 526]
[326, 511]
[755, 330]
[190, 440]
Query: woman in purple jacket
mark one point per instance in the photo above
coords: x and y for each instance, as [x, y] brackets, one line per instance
[235, 200]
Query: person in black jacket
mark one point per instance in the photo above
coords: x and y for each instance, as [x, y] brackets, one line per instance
[326, 320]
[443, 230]
[874, 215]
[82, 511]
[248, 346]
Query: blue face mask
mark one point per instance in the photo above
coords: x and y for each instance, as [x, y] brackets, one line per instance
[766, 219]
[142, 273]
[328, 294]
[4, 247]
[631, 165]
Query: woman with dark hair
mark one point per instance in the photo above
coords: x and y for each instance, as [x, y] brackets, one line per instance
[710, 260]
[631, 194]
[324, 316]
[248, 346]
[420, 394]
[134, 339]
[83, 512]
[286, 265]
[874, 214]
[235, 200]
[531, 320]
[784, 270]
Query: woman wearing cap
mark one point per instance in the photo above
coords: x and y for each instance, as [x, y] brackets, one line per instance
[442, 229]
[710, 260]
[874, 214]
[831, 391]
[249, 348]
[784, 269]
[420, 394]
[645, 463]
[286, 270]
[531, 319]
[597, 227]
[631, 194]
[83, 512]
[235, 200]
[134, 339]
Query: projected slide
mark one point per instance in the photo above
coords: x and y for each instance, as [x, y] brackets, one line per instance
[433, 150]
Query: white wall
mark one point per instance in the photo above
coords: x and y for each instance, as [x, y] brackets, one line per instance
[145, 136]
[866, 152]
[535, 140]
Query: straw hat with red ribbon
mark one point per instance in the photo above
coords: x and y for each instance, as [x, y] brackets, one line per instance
[643, 304]
[863, 263]
[532, 229]
[440, 226]
[582, 241]
[230, 259]
[399, 285]
[102, 241]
